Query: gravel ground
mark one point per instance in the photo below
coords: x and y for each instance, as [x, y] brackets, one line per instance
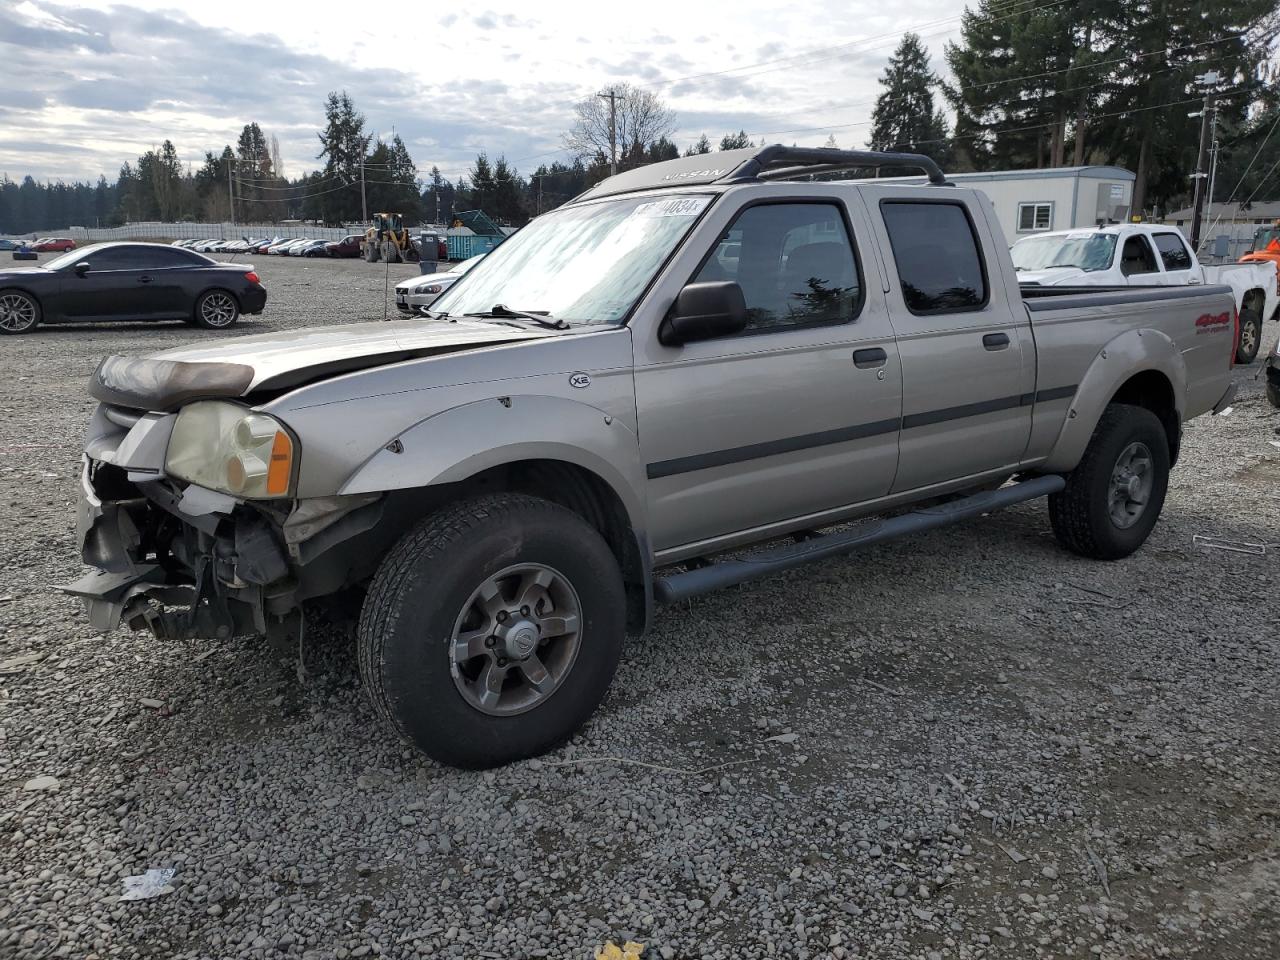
[970, 744]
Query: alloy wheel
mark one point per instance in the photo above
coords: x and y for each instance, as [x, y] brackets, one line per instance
[516, 639]
[218, 309]
[1132, 479]
[17, 312]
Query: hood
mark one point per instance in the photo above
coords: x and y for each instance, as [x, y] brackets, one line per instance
[1050, 276]
[280, 361]
[21, 271]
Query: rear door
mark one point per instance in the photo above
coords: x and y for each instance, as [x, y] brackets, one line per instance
[796, 415]
[968, 360]
[1175, 257]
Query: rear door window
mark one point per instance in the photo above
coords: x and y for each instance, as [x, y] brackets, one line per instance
[937, 253]
[794, 263]
[1173, 251]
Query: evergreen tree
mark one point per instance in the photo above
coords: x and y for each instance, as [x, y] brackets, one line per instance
[735, 141]
[905, 118]
[343, 146]
[702, 146]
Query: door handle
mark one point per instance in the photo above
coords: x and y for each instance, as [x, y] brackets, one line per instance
[995, 341]
[144, 279]
[870, 357]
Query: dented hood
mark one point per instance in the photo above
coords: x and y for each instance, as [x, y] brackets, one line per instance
[271, 362]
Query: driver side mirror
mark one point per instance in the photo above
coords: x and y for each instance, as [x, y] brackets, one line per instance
[82, 268]
[704, 311]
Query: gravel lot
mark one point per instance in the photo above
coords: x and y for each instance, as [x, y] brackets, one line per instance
[970, 744]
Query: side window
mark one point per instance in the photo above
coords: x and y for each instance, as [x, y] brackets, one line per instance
[1173, 251]
[794, 263]
[936, 252]
[113, 258]
[171, 257]
[1136, 257]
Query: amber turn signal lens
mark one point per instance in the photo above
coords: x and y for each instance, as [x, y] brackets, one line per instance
[281, 466]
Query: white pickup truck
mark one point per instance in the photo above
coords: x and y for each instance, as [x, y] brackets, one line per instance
[1144, 254]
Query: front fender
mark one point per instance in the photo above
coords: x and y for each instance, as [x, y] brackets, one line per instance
[463, 441]
[1131, 353]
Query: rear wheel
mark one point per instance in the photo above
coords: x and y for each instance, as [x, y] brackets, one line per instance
[371, 252]
[19, 312]
[390, 252]
[492, 631]
[1114, 496]
[1250, 335]
[216, 310]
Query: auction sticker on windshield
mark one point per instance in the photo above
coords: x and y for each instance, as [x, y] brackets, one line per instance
[675, 207]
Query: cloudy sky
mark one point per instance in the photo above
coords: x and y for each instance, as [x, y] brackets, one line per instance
[86, 85]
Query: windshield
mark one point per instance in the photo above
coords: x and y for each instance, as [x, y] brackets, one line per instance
[581, 264]
[1265, 237]
[1087, 251]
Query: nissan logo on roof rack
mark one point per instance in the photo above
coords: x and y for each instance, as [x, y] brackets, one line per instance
[690, 174]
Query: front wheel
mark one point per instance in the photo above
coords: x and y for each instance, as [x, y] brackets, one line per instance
[19, 312]
[491, 632]
[216, 310]
[1114, 496]
[1250, 336]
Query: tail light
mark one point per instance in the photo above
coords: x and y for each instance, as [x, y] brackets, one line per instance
[1235, 335]
[252, 277]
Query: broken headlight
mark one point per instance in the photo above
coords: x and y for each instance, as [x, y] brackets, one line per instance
[231, 449]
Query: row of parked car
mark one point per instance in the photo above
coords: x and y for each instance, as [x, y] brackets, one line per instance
[348, 246]
[42, 245]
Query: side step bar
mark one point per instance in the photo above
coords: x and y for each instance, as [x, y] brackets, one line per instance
[726, 573]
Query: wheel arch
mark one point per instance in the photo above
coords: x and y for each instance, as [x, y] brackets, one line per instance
[1143, 367]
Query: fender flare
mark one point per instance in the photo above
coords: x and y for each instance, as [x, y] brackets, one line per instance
[460, 442]
[1127, 355]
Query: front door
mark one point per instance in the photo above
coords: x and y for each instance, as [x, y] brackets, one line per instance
[111, 289]
[968, 361]
[1175, 257]
[796, 415]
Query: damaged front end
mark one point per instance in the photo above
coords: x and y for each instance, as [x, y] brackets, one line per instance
[185, 561]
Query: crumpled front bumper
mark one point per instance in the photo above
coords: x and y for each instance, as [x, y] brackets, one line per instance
[186, 561]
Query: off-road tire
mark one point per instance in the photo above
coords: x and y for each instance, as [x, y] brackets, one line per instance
[1273, 394]
[421, 587]
[1080, 514]
[390, 252]
[371, 252]
[216, 302]
[1250, 336]
[20, 312]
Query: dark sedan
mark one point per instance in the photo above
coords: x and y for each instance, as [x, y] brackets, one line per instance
[129, 281]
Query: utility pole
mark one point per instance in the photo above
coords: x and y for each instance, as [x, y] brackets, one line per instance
[612, 97]
[231, 194]
[1207, 80]
[364, 203]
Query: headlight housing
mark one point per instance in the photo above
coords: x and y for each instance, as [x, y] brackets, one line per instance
[232, 449]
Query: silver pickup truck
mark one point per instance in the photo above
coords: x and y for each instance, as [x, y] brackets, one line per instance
[695, 374]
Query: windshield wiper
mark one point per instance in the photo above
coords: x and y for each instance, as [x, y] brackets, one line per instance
[502, 312]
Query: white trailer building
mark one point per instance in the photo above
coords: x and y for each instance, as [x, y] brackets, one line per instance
[1056, 198]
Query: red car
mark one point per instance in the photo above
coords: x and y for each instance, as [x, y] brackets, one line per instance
[53, 245]
[348, 246]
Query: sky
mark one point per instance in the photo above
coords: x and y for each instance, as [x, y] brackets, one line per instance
[87, 85]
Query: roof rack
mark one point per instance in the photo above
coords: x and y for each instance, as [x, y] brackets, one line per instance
[755, 165]
[777, 162]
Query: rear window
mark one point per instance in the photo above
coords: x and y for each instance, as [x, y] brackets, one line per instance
[937, 255]
[1173, 251]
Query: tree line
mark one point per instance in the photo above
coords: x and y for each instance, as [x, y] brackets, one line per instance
[1067, 83]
